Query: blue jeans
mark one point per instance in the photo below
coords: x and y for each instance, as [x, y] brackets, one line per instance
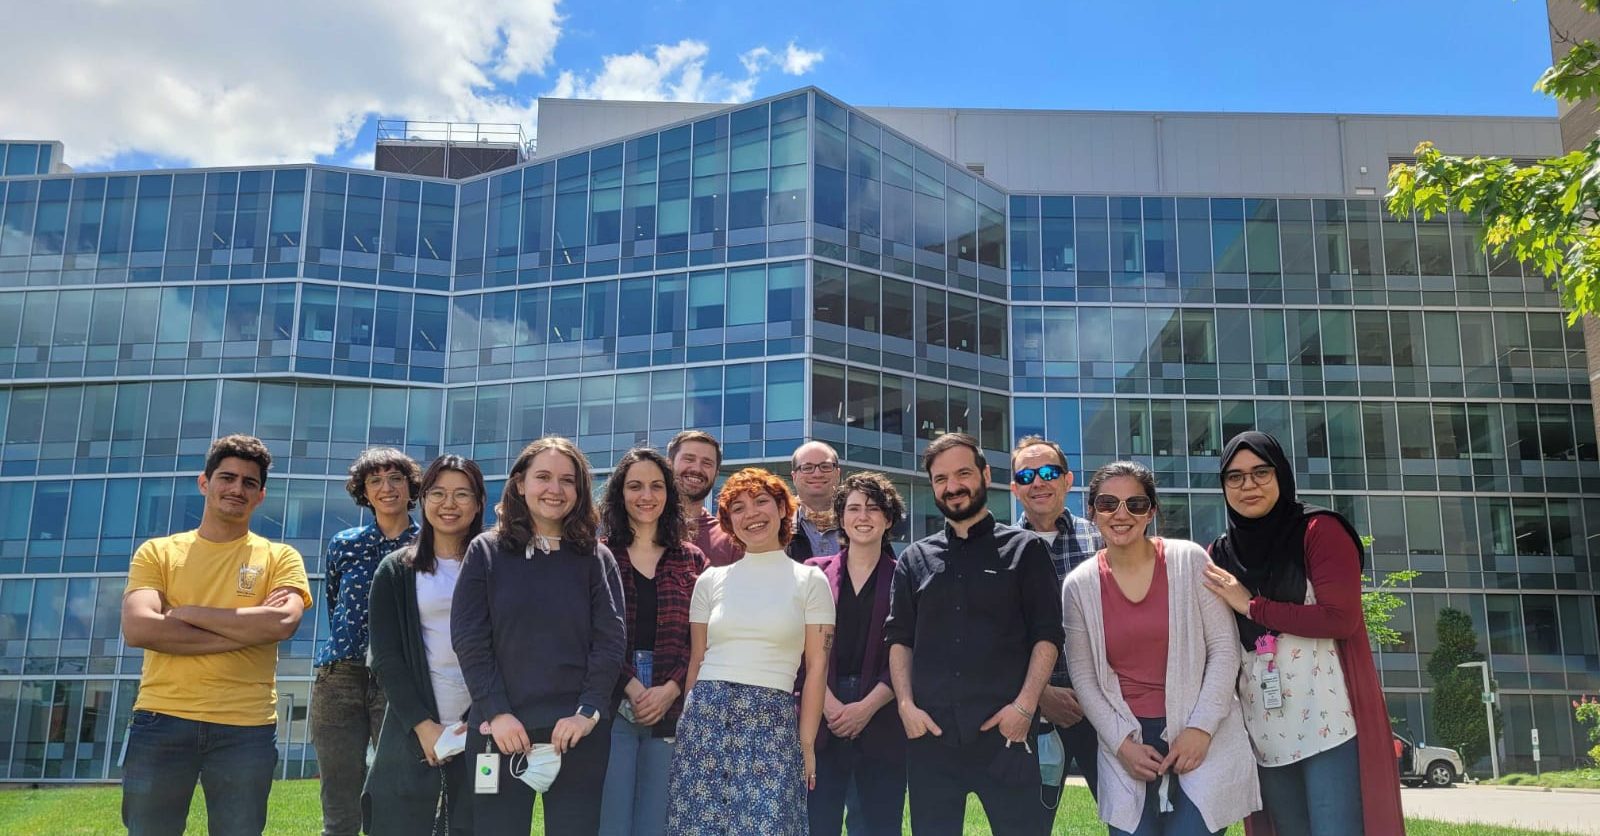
[1184, 819]
[1318, 796]
[166, 754]
[635, 799]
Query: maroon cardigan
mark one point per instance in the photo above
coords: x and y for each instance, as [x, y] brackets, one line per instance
[884, 737]
[1334, 569]
[676, 574]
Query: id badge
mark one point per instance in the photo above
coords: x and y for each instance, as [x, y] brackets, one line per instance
[487, 774]
[1271, 690]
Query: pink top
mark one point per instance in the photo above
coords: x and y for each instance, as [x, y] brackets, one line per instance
[1136, 648]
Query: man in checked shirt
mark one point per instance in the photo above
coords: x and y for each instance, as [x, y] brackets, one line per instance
[1040, 480]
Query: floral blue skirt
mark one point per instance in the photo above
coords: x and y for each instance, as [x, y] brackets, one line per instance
[737, 770]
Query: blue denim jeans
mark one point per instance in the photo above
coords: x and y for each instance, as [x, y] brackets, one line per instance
[1184, 819]
[635, 799]
[1318, 796]
[166, 754]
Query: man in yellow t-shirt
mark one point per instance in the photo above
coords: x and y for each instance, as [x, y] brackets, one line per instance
[209, 607]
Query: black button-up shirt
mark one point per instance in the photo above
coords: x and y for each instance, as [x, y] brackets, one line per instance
[972, 609]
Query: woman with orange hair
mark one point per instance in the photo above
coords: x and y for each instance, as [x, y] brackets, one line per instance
[744, 763]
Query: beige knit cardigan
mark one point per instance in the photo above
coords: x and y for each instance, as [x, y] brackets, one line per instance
[1202, 669]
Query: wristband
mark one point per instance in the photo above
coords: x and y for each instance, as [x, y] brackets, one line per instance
[1019, 710]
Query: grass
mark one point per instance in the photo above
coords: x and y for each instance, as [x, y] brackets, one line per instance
[1588, 779]
[294, 810]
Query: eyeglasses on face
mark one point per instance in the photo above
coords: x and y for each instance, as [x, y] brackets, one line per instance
[1137, 505]
[437, 496]
[818, 467]
[378, 480]
[1047, 472]
[1259, 475]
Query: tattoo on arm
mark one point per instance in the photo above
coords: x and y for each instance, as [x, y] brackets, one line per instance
[827, 640]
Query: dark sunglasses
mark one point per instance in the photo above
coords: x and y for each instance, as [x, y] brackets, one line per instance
[1047, 472]
[1137, 505]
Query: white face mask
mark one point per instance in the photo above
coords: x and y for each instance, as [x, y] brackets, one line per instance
[538, 768]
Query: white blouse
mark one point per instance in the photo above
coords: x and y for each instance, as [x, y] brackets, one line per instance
[1315, 716]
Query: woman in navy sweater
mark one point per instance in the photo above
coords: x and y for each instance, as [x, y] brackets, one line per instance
[537, 625]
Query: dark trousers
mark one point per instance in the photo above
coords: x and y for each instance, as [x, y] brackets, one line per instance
[880, 787]
[572, 805]
[939, 777]
[167, 754]
[1184, 819]
[346, 714]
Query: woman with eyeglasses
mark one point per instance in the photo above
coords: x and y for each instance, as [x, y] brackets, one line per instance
[643, 515]
[409, 789]
[1313, 703]
[1158, 686]
[537, 625]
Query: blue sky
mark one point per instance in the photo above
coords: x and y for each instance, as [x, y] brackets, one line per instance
[123, 88]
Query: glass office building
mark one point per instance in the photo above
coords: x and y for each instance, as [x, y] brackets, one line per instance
[772, 272]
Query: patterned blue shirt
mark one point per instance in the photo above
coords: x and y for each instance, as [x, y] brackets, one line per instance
[353, 555]
[1076, 540]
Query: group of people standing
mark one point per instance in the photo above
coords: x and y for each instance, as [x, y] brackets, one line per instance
[650, 667]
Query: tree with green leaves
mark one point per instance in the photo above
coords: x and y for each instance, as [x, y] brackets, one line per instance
[1457, 703]
[1541, 214]
[1379, 603]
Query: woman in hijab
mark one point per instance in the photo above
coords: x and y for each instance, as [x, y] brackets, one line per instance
[1313, 704]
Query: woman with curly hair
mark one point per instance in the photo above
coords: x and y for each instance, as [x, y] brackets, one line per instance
[861, 742]
[643, 515]
[537, 626]
[744, 763]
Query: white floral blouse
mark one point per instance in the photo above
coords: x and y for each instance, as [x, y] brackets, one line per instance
[1315, 716]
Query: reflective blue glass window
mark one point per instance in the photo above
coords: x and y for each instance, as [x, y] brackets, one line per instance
[605, 201]
[17, 223]
[217, 211]
[116, 226]
[83, 217]
[470, 233]
[436, 233]
[538, 213]
[50, 225]
[703, 404]
[401, 208]
[288, 207]
[708, 219]
[363, 217]
[252, 223]
[21, 158]
[572, 181]
[504, 220]
[672, 212]
[747, 199]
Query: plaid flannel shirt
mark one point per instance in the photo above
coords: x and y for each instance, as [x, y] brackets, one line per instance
[1076, 540]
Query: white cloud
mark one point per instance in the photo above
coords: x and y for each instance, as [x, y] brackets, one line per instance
[677, 72]
[797, 61]
[226, 83]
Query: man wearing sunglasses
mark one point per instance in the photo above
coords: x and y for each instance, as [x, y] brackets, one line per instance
[1040, 480]
[815, 473]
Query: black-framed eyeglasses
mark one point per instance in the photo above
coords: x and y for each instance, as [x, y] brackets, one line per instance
[1259, 475]
[1137, 505]
[1047, 472]
[824, 468]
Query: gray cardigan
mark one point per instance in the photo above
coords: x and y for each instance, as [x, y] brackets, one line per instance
[1202, 668]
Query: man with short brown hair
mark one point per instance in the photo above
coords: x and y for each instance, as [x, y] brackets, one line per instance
[695, 456]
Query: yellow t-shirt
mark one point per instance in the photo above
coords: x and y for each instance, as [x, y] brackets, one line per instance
[236, 688]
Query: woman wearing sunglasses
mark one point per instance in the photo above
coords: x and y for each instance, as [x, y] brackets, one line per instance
[1313, 704]
[1158, 688]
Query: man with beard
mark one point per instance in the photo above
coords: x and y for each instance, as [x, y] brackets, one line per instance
[974, 630]
[695, 456]
[815, 469]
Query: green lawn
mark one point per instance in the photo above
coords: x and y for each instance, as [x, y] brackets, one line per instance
[61, 811]
[1588, 779]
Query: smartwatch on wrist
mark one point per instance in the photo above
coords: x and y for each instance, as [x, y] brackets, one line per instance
[589, 712]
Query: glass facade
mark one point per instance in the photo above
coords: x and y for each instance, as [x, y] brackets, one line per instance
[776, 272]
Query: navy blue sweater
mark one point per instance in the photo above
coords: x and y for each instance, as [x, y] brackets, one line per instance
[537, 636]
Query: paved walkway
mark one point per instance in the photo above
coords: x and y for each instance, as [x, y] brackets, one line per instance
[1562, 812]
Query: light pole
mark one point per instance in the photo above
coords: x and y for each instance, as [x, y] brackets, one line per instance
[1488, 713]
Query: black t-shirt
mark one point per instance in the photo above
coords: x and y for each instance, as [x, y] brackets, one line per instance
[852, 615]
[644, 614]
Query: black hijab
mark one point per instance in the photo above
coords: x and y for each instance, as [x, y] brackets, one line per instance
[1268, 554]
